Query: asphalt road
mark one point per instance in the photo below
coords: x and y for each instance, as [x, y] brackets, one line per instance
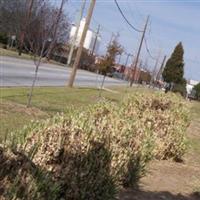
[19, 72]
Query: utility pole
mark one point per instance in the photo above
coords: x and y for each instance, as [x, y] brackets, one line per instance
[111, 39]
[76, 33]
[79, 52]
[95, 41]
[138, 53]
[120, 56]
[127, 58]
[161, 68]
[155, 67]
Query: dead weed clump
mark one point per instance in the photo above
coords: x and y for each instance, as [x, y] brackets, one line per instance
[91, 154]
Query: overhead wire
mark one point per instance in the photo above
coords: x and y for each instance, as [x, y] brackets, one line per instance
[135, 13]
[148, 51]
[130, 25]
[146, 46]
[127, 21]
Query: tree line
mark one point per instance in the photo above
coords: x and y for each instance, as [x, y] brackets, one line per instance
[33, 22]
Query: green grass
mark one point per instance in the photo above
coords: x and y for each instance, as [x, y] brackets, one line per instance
[55, 99]
[195, 116]
[46, 102]
[14, 53]
[195, 110]
[195, 141]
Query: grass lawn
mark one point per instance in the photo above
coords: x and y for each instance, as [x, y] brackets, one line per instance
[194, 132]
[46, 102]
[14, 53]
[195, 111]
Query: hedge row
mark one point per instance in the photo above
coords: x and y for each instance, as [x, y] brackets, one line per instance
[93, 153]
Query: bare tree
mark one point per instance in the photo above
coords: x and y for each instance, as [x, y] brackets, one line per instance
[38, 40]
[24, 24]
[12, 13]
[17, 17]
[55, 28]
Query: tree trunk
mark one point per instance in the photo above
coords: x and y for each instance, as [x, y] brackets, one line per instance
[33, 85]
[102, 84]
[36, 72]
[21, 42]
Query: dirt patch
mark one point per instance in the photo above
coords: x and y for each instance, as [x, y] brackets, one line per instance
[170, 176]
[8, 107]
[170, 180]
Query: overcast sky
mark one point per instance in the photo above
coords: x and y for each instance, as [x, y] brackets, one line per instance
[170, 22]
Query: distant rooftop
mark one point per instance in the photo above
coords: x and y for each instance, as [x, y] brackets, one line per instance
[193, 82]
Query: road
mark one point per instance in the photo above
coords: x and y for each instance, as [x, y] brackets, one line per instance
[19, 72]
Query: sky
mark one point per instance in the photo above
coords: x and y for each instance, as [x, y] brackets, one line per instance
[171, 22]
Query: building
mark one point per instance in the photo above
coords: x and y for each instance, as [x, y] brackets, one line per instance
[89, 40]
[141, 75]
[189, 87]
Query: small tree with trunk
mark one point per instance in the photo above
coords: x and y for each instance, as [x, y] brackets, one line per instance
[174, 70]
[38, 40]
[105, 66]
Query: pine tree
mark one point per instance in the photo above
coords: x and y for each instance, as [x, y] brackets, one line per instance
[174, 70]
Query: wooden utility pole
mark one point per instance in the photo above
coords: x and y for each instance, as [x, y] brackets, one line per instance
[120, 56]
[95, 41]
[127, 58]
[111, 39]
[23, 31]
[138, 53]
[79, 52]
[155, 68]
[76, 33]
[161, 68]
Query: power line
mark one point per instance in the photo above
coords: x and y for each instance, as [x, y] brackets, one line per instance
[135, 12]
[147, 49]
[121, 12]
